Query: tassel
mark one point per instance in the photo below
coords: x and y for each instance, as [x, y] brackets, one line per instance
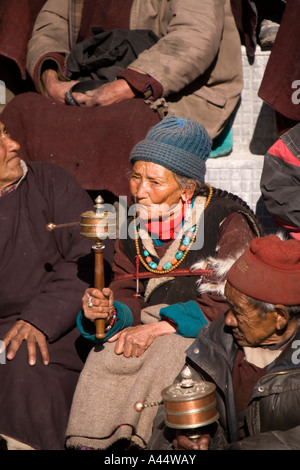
[187, 209]
[137, 294]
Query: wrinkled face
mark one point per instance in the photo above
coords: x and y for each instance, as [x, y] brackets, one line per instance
[155, 187]
[10, 167]
[248, 328]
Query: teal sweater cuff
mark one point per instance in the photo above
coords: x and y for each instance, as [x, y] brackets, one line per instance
[88, 328]
[188, 317]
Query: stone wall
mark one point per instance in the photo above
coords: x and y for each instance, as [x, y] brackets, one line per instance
[254, 132]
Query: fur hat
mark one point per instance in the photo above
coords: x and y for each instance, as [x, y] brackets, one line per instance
[180, 145]
[269, 270]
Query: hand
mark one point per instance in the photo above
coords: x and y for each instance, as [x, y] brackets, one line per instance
[25, 331]
[109, 93]
[134, 340]
[102, 304]
[182, 442]
[56, 89]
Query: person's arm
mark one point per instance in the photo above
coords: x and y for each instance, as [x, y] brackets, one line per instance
[134, 341]
[142, 84]
[53, 87]
[185, 52]
[97, 304]
[108, 93]
[129, 84]
[132, 338]
[35, 339]
[279, 440]
[50, 44]
[188, 48]
[54, 310]
[128, 306]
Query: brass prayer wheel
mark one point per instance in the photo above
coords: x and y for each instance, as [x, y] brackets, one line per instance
[95, 225]
[190, 404]
[100, 224]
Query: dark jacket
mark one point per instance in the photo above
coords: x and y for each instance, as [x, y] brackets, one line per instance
[280, 180]
[272, 415]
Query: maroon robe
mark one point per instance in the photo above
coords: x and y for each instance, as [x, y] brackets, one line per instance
[43, 276]
[56, 133]
[280, 83]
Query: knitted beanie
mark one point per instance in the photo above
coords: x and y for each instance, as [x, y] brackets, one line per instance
[269, 270]
[180, 145]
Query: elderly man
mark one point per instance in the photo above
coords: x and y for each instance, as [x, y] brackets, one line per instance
[42, 278]
[251, 355]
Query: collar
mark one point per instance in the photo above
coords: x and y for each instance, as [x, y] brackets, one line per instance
[14, 186]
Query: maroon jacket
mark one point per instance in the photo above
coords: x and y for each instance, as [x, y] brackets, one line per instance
[43, 276]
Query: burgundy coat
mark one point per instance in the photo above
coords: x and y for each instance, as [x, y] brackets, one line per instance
[280, 84]
[43, 276]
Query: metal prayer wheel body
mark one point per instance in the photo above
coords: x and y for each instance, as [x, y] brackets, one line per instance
[190, 404]
[97, 226]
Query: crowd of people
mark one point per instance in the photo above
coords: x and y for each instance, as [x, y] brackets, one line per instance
[143, 93]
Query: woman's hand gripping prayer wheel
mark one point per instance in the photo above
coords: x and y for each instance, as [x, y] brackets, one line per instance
[132, 341]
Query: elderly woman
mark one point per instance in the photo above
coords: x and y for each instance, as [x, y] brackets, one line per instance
[151, 308]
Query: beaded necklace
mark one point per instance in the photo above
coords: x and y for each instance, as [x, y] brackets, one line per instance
[187, 241]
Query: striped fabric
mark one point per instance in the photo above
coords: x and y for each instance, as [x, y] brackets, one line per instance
[280, 181]
[8, 189]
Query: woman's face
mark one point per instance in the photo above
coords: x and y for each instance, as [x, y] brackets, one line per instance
[10, 168]
[155, 187]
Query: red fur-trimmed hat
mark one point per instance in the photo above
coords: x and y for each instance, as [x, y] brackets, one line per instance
[269, 270]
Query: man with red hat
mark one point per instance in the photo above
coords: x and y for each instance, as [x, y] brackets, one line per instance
[252, 355]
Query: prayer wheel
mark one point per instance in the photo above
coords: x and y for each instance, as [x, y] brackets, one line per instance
[190, 404]
[96, 226]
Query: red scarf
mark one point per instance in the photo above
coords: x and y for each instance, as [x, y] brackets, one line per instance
[168, 229]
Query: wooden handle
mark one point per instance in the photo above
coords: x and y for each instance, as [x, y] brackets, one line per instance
[100, 328]
[99, 284]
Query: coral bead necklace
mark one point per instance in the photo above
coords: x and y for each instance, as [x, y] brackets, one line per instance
[187, 241]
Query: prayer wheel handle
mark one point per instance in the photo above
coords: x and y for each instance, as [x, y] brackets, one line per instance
[95, 226]
[99, 284]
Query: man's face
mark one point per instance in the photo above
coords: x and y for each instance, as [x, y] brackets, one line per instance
[248, 328]
[10, 166]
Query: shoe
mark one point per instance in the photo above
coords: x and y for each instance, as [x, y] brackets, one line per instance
[267, 34]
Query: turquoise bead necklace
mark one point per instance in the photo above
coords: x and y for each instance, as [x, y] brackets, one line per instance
[187, 241]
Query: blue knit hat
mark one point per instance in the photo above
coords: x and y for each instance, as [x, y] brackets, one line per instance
[181, 145]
